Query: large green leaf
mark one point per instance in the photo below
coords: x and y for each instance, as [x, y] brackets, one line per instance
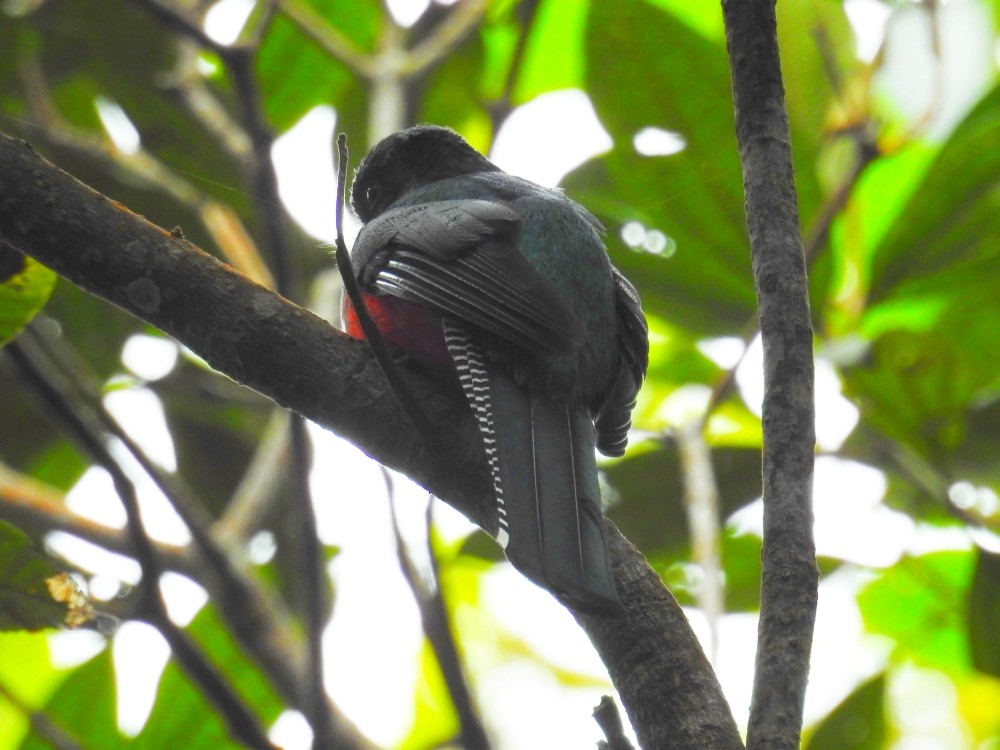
[920, 603]
[931, 378]
[675, 79]
[297, 74]
[650, 510]
[949, 224]
[84, 705]
[25, 286]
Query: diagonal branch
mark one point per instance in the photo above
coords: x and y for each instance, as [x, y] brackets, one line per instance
[789, 573]
[263, 341]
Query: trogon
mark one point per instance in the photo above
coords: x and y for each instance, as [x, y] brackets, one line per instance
[508, 284]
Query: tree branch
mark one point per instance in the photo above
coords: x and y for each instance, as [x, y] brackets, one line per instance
[789, 576]
[291, 356]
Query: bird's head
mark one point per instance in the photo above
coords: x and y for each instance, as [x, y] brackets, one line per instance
[408, 159]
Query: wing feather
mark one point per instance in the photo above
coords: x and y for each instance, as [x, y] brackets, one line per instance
[461, 258]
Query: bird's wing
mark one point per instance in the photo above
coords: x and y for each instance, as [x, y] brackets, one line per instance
[615, 416]
[461, 258]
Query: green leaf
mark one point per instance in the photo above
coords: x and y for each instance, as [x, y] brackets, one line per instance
[34, 593]
[554, 54]
[434, 718]
[858, 723]
[84, 705]
[947, 231]
[25, 287]
[984, 613]
[650, 510]
[694, 197]
[26, 672]
[296, 74]
[920, 603]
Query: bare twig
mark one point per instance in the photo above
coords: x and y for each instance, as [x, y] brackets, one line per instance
[41, 724]
[314, 579]
[243, 723]
[701, 500]
[339, 46]
[372, 334]
[610, 721]
[437, 627]
[789, 573]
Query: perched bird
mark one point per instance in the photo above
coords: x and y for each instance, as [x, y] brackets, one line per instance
[466, 267]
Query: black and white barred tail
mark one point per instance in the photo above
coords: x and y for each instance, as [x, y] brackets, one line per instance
[541, 456]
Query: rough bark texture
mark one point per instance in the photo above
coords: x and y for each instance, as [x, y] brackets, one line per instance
[667, 685]
[284, 352]
[790, 577]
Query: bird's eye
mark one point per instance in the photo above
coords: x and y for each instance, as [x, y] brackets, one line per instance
[371, 194]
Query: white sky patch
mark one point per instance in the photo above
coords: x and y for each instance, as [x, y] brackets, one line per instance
[139, 412]
[291, 731]
[92, 558]
[549, 137]
[71, 648]
[94, 497]
[531, 710]
[303, 159]
[725, 351]
[533, 615]
[658, 142]
[150, 357]
[868, 19]
[117, 125]
[226, 18]
[840, 630]
[933, 92]
[139, 654]
[407, 12]
[183, 597]
[373, 641]
[851, 521]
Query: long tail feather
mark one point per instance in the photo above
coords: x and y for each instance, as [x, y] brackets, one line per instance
[541, 455]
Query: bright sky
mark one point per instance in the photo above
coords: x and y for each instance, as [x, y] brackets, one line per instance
[373, 640]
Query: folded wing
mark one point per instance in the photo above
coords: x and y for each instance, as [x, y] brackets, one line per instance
[461, 258]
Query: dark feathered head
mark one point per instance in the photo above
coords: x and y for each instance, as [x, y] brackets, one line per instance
[410, 158]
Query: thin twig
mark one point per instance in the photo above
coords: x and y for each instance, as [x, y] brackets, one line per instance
[243, 723]
[610, 721]
[437, 627]
[527, 11]
[41, 724]
[338, 45]
[314, 580]
[451, 32]
[701, 500]
[371, 332]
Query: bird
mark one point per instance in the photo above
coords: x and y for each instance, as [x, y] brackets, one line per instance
[507, 284]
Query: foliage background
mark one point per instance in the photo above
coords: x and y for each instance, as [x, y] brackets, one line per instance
[899, 187]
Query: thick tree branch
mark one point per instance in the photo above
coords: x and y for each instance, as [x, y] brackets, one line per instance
[284, 352]
[790, 576]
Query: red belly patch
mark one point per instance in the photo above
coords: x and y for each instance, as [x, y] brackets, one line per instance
[410, 326]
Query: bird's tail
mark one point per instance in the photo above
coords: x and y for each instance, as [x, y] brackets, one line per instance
[541, 455]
